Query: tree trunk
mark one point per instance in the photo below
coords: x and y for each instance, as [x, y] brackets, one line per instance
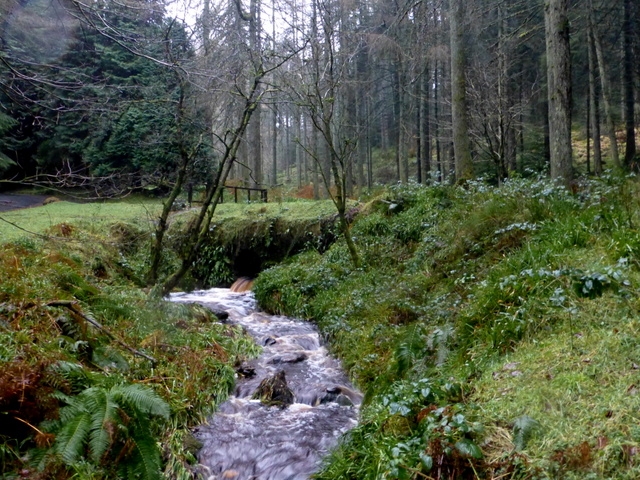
[163, 221]
[198, 230]
[274, 147]
[436, 119]
[255, 127]
[594, 113]
[606, 95]
[559, 88]
[459, 114]
[629, 101]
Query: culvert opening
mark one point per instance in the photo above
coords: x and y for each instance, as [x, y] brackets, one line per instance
[247, 263]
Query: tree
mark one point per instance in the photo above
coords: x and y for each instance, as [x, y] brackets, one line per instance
[559, 88]
[323, 97]
[606, 90]
[629, 24]
[459, 114]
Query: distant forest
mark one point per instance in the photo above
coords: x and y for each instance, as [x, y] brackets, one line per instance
[127, 95]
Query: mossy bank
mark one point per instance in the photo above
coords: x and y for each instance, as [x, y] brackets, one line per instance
[495, 331]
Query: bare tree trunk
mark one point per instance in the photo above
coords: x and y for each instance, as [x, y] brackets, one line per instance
[297, 152]
[274, 125]
[316, 165]
[594, 113]
[161, 227]
[436, 119]
[199, 229]
[559, 88]
[459, 114]
[274, 147]
[606, 95]
[254, 162]
[629, 101]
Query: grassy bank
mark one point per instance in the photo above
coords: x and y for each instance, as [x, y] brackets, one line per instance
[98, 380]
[494, 331]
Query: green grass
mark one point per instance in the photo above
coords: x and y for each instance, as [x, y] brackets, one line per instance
[93, 216]
[142, 212]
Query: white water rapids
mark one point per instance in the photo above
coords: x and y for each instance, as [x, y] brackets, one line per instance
[247, 440]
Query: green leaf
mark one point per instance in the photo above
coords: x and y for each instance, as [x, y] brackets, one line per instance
[146, 457]
[103, 412]
[142, 399]
[468, 448]
[71, 440]
[427, 461]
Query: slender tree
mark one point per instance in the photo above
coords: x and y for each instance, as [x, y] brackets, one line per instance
[459, 113]
[630, 22]
[559, 88]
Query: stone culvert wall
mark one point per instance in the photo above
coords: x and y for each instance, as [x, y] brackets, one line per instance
[244, 247]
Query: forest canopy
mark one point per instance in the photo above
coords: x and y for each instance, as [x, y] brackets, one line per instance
[428, 90]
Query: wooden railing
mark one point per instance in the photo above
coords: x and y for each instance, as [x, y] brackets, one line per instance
[262, 192]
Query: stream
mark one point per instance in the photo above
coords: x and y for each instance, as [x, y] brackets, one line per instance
[248, 440]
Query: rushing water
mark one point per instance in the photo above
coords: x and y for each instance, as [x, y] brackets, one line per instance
[247, 440]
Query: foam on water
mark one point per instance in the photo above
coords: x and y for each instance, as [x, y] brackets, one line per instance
[247, 440]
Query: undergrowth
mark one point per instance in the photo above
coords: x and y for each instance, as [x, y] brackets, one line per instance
[493, 330]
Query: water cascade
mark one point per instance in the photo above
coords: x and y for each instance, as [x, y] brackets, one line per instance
[290, 405]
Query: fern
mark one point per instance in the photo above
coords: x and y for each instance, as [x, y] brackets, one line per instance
[78, 377]
[89, 422]
[72, 438]
[523, 429]
[142, 399]
[145, 460]
[104, 412]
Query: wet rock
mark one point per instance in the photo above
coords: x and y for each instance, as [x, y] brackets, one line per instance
[191, 444]
[274, 391]
[267, 341]
[296, 357]
[242, 284]
[344, 401]
[222, 315]
[341, 395]
[246, 371]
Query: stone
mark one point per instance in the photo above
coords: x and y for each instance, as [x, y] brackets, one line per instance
[49, 200]
[289, 358]
[267, 341]
[246, 371]
[275, 391]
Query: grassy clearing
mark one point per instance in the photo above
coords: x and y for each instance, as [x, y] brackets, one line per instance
[494, 331]
[92, 216]
[142, 211]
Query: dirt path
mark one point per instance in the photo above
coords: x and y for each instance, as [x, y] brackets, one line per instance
[14, 202]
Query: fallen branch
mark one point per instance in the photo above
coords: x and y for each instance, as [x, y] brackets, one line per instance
[73, 306]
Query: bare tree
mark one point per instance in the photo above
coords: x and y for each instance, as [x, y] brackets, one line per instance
[322, 95]
[459, 114]
[559, 88]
